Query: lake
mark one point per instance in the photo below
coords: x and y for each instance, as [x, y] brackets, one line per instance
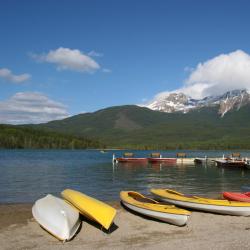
[27, 175]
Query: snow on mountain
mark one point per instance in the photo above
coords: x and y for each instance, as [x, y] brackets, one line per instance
[179, 102]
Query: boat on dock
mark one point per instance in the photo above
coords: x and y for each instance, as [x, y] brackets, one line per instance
[201, 160]
[181, 158]
[57, 217]
[203, 204]
[205, 161]
[247, 163]
[157, 158]
[228, 162]
[129, 158]
[151, 208]
[185, 160]
[162, 160]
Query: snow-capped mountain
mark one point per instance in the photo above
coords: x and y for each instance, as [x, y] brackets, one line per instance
[179, 102]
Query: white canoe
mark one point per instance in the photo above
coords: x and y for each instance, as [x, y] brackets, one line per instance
[151, 208]
[57, 217]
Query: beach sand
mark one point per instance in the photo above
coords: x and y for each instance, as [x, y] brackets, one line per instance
[18, 230]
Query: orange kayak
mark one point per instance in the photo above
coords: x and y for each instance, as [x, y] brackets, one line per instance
[232, 196]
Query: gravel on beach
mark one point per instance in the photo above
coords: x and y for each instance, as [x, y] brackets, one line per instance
[18, 230]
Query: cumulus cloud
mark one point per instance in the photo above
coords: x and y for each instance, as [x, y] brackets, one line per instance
[9, 76]
[216, 76]
[30, 107]
[220, 74]
[69, 59]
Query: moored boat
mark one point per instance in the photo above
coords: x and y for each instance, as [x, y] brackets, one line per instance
[157, 158]
[233, 196]
[162, 160]
[204, 204]
[184, 161]
[151, 208]
[230, 163]
[90, 207]
[247, 163]
[201, 160]
[129, 158]
[57, 217]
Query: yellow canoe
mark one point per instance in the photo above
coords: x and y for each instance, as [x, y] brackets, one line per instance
[149, 207]
[92, 208]
[200, 203]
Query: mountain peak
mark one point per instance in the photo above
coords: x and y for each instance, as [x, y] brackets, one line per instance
[173, 102]
[179, 102]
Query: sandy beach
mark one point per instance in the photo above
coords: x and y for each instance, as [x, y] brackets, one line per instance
[18, 230]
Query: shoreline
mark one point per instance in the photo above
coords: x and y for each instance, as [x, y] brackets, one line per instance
[19, 230]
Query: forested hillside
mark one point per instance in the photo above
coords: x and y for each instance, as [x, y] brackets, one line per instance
[22, 137]
[142, 128]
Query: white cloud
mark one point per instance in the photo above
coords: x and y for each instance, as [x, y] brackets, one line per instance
[69, 59]
[220, 74]
[30, 107]
[216, 76]
[9, 76]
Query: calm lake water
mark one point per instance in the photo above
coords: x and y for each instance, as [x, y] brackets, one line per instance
[27, 175]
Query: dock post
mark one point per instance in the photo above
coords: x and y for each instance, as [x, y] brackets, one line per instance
[113, 160]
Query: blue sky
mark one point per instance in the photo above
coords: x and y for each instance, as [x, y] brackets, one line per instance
[130, 50]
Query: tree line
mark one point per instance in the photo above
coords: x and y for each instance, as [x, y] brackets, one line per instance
[16, 137]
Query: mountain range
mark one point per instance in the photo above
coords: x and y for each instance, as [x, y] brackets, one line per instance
[175, 122]
[179, 102]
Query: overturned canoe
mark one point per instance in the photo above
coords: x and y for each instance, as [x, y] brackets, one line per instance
[149, 207]
[204, 204]
[57, 217]
[232, 196]
[92, 208]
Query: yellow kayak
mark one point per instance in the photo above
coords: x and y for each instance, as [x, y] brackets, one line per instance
[149, 207]
[93, 209]
[200, 203]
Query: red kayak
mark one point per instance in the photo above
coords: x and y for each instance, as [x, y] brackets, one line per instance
[245, 197]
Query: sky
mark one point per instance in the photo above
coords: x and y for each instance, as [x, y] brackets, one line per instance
[61, 58]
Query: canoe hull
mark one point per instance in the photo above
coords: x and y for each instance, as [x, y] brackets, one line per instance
[131, 160]
[57, 217]
[162, 160]
[175, 219]
[90, 207]
[230, 210]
